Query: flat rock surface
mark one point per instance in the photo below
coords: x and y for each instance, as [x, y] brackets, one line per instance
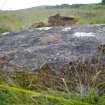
[34, 47]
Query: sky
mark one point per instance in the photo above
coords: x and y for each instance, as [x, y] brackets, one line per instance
[21, 4]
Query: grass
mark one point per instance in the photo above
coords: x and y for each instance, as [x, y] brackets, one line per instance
[4, 30]
[15, 96]
[44, 87]
[17, 20]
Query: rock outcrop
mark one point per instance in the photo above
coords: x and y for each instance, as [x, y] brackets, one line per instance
[33, 48]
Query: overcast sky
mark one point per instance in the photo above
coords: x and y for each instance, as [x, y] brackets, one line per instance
[20, 4]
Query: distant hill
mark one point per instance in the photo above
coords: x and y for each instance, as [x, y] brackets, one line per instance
[88, 6]
[20, 19]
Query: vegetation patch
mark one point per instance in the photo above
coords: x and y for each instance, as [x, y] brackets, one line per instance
[102, 48]
[3, 30]
[38, 25]
[79, 83]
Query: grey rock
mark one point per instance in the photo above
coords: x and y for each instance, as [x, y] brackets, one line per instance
[33, 47]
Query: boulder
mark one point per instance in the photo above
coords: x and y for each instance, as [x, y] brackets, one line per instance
[58, 20]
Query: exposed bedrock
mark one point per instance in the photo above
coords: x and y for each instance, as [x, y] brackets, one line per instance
[53, 45]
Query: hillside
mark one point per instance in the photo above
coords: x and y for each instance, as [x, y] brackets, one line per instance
[62, 65]
[17, 20]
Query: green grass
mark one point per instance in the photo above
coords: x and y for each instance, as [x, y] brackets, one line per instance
[15, 96]
[17, 20]
[4, 30]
